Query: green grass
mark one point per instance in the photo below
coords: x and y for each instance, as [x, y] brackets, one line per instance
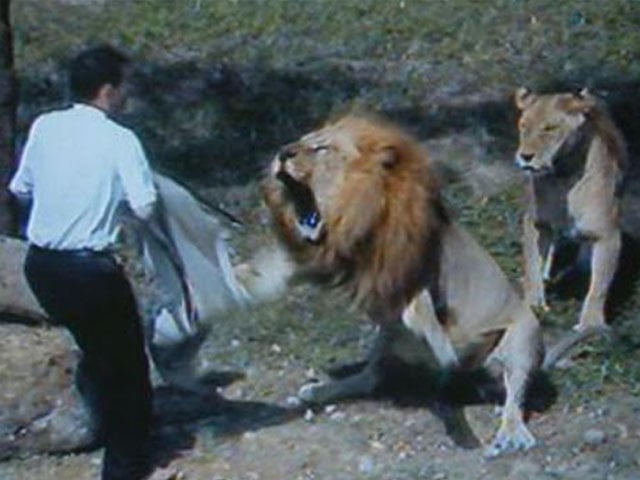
[501, 43]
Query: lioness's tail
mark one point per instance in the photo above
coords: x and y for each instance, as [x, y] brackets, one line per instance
[566, 343]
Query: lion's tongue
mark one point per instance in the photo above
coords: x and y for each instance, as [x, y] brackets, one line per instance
[310, 226]
[311, 219]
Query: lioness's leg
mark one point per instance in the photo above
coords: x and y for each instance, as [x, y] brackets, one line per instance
[537, 245]
[604, 260]
[359, 384]
[420, 317]
[519, 352]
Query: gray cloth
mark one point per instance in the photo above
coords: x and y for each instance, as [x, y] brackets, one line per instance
[183, 278]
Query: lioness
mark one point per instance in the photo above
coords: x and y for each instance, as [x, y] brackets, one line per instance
[356, 205]
[575, 158]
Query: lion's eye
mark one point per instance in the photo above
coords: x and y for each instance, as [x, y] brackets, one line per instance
[550, 128]
[319, 148]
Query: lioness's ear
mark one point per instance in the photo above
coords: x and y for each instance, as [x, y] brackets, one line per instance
[589, 100]
[582, 102]
[524, 97]
[386, 156]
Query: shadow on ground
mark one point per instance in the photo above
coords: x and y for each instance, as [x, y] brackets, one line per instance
[445, 393]
[180, 415]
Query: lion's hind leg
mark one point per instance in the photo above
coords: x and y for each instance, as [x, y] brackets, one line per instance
[519, 353]
[420, 317]
[362, 383]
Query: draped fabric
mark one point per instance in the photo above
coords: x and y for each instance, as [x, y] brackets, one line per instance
[182, 276]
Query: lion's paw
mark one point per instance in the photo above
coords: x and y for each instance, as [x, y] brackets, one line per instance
[507, 441]
[312, 392]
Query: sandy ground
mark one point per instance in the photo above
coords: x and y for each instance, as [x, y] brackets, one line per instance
[249, 430]
[247, 438]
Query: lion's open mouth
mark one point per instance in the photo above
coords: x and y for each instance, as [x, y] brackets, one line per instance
[310, 223]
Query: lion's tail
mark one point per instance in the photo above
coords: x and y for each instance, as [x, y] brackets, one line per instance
[568, 342]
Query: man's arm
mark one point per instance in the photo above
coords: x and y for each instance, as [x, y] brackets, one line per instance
[137, 179]
[21, 185]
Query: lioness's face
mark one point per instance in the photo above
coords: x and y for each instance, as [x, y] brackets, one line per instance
[310, 170]
[549, 126]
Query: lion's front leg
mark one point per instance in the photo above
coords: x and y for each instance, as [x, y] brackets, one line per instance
[360, 384]
[537, 256]
[420, 317]
[513, 434]
[519, 353]
[604, 261]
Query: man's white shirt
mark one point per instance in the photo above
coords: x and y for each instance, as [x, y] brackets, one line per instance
[79, 167]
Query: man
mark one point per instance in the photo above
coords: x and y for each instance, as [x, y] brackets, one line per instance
[79, 168]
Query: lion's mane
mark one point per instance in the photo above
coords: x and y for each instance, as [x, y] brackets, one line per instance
[382, 221]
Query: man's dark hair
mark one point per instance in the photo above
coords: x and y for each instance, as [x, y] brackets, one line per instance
[94, 68]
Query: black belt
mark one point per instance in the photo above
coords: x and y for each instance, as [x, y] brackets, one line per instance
[78, 252]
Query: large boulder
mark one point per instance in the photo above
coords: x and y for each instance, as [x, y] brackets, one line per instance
[40, 409]
[15, 296]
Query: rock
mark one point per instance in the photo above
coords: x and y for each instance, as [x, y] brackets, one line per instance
[40, 410]
[594, 437]
[366, 465]
[309, 415]
[329, 409]
[15, 296]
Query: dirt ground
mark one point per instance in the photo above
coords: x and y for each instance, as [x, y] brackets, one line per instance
[248, 436]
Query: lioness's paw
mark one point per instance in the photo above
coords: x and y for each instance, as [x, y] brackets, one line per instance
[591, 320]
[505, 441]
[596, 328]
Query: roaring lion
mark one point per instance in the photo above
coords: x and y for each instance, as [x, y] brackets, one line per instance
[575, 158]
[357, 206]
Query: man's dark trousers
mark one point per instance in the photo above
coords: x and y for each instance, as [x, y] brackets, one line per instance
[88, 293]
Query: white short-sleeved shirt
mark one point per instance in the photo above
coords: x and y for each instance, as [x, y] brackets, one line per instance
[79, 167]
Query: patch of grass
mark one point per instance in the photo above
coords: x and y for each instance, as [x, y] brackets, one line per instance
[494, 222]
[502, 43]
